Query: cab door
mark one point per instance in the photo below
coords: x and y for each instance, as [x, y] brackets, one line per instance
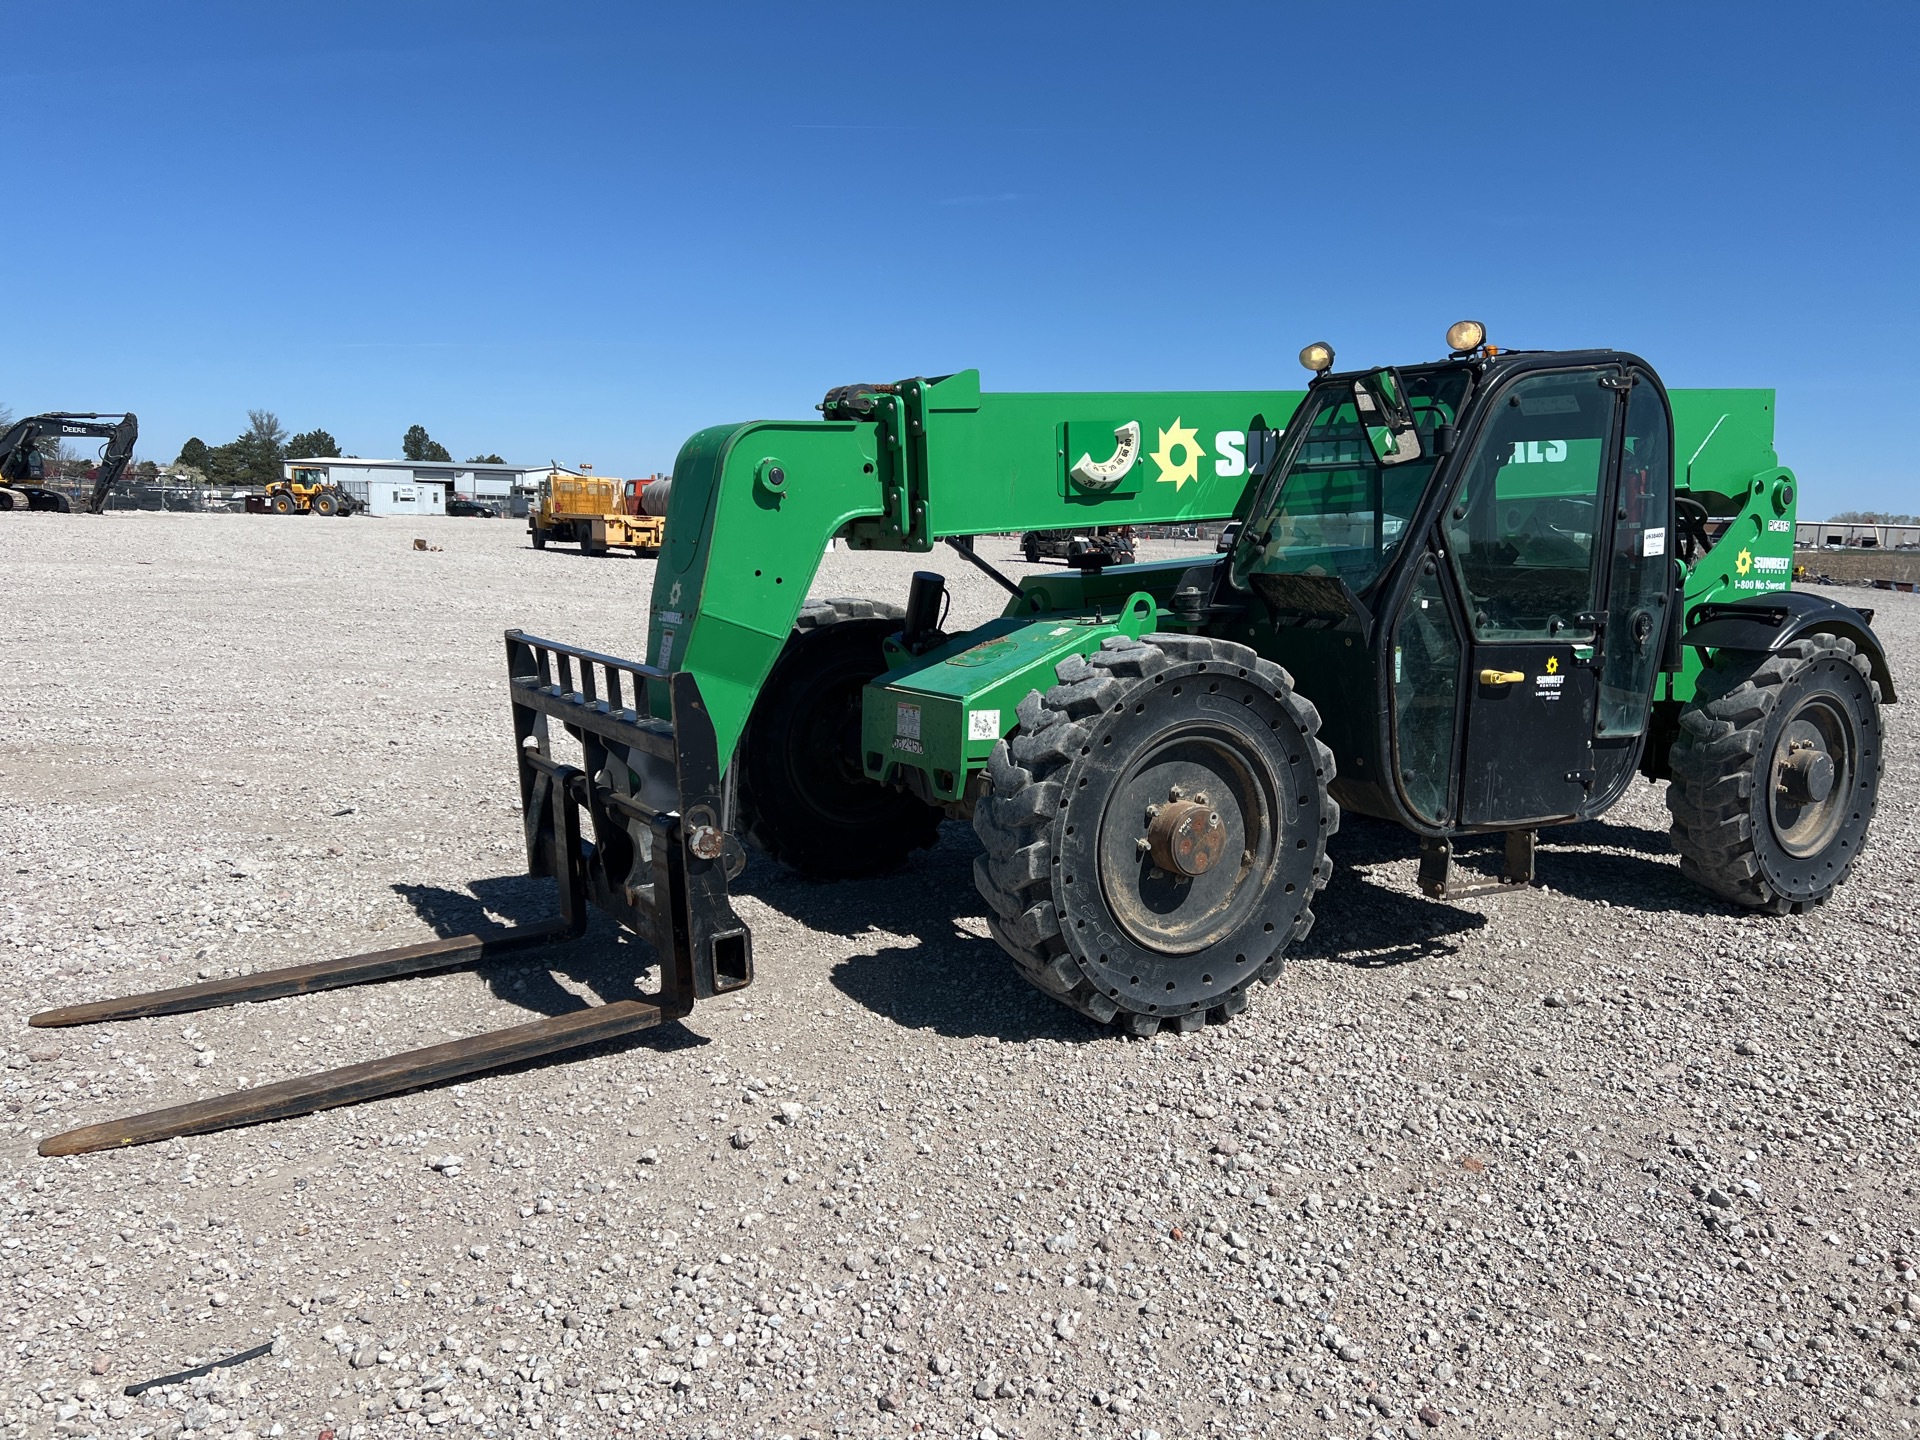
[1527, 531]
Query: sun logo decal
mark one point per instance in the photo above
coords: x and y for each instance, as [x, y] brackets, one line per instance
[1186, 440]
[1553, 664]
[1743, 562]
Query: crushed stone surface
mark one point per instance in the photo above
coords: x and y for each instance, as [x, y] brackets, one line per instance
[1601, 1158]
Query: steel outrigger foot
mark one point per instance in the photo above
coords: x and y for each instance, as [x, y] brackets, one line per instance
[371, 1080]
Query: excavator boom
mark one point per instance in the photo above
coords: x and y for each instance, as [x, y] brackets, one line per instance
[21, 443]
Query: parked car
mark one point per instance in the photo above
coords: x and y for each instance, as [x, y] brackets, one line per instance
[478, 508]
[1229, 534]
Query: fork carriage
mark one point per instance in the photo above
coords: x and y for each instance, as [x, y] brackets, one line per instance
[654, 855]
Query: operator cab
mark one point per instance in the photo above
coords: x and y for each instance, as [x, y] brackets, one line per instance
[1466, 566]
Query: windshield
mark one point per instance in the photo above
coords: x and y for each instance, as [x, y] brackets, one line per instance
[1337, 510]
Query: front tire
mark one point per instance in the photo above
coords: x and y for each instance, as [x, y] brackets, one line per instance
[1776, 773]
[804, 798]
[1156, 830]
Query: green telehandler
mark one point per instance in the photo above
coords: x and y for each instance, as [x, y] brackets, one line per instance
[1474, 596]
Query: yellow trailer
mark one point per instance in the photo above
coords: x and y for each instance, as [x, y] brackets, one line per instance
[596, 512]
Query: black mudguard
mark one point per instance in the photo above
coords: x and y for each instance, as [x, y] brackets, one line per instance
[1764, 623]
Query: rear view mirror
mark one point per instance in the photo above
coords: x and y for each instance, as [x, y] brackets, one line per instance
[1385, 417]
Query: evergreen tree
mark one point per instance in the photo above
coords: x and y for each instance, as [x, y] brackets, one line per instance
[418, 445]
[311, 444]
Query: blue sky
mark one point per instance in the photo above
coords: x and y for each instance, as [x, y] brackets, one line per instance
[582, 232]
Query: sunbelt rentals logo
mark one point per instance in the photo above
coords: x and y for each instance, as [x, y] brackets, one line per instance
[1177, 457]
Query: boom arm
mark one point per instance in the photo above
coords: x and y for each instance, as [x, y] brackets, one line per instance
[901, 466]
[898, 467]
[18, 445]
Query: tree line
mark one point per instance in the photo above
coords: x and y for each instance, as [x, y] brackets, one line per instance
[253, 459]
[1872, 517]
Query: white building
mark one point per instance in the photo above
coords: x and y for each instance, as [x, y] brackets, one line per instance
[1829, 534]
[378, 484]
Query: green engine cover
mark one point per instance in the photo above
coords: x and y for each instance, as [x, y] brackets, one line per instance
[940, 713]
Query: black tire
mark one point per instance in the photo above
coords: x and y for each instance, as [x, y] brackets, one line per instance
[539, 537]
[1030, 548]
[324, 503]
[1776, 773]
[804, 798]
[281, 504]
[1086, 916]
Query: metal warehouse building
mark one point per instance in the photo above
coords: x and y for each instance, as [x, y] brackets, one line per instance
[1821, 534]
[417, 487]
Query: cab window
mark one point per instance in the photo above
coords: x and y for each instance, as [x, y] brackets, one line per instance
[1521, 526]
[1338, 511]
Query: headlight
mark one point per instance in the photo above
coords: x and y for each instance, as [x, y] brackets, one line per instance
[1317, 357]
[1466, 335]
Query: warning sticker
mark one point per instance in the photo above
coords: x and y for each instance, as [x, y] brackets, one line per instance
[983, 724]
[906, 723]
[1655, 541]
[666, 651]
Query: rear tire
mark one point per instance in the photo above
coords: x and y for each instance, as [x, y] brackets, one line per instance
[1776, 773]
[804, 798]
[1079, 896]
[281, 504]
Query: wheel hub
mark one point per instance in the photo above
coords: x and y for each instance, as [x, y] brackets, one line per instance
[1194, 876]
[1185, 837]
[1811, 776]
[1807, 774]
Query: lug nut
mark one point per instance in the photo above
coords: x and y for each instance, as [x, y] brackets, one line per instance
[1175, 793]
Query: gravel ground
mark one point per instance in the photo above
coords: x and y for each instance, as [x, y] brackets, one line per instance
[1603, 1158]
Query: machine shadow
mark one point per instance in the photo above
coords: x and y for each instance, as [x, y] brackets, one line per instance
[1626, 882]
[954, 982]
[607, 960]
[1582, 861]
[1362, 923]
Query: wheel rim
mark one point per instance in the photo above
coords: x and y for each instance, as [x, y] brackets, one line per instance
[1197, 777]
[1811, 775]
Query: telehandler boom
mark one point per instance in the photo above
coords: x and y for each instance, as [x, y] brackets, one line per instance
[1473, 596]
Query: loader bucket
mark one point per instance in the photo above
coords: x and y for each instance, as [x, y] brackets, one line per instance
[654, 855]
